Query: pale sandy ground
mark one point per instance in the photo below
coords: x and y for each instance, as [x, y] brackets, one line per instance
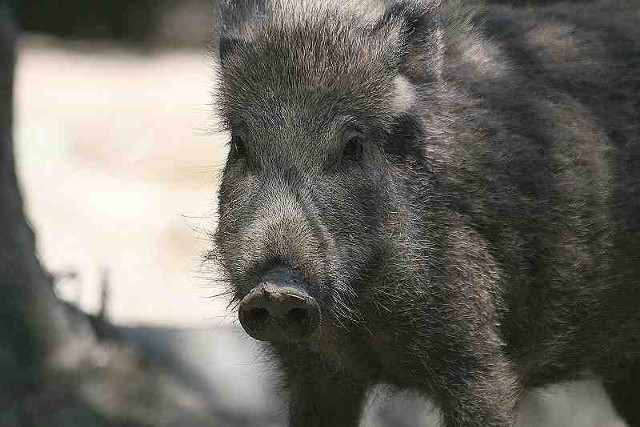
[119, 173]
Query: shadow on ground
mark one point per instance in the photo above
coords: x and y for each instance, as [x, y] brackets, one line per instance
[237, 378]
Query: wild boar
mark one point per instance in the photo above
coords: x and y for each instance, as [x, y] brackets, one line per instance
[436, 196]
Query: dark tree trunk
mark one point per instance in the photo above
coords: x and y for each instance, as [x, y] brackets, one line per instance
[24, 286]
[49, 372]
[35, 327]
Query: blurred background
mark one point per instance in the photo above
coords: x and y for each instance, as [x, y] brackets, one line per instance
[118, 158]
[116, 151]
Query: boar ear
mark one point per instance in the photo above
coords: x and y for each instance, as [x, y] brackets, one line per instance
[419, 25]
[237, 19]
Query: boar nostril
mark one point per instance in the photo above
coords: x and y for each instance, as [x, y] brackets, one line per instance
[298, 315]
[257, 315]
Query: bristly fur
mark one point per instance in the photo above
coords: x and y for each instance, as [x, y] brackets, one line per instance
[487, 238]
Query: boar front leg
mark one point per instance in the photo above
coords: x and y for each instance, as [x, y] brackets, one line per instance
[321, 396]
[478, 393]
[465, 374]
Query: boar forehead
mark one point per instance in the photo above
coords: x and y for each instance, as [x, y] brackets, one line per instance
[318, 68]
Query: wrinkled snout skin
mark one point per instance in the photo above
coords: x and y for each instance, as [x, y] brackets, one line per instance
[448, 208]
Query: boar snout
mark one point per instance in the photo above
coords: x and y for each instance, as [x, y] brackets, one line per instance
[274, 311]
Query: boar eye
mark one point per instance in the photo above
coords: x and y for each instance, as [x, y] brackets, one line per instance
[353, 145]
[237, 144]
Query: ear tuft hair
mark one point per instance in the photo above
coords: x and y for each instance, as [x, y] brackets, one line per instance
[237, 18]
[421, 36]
